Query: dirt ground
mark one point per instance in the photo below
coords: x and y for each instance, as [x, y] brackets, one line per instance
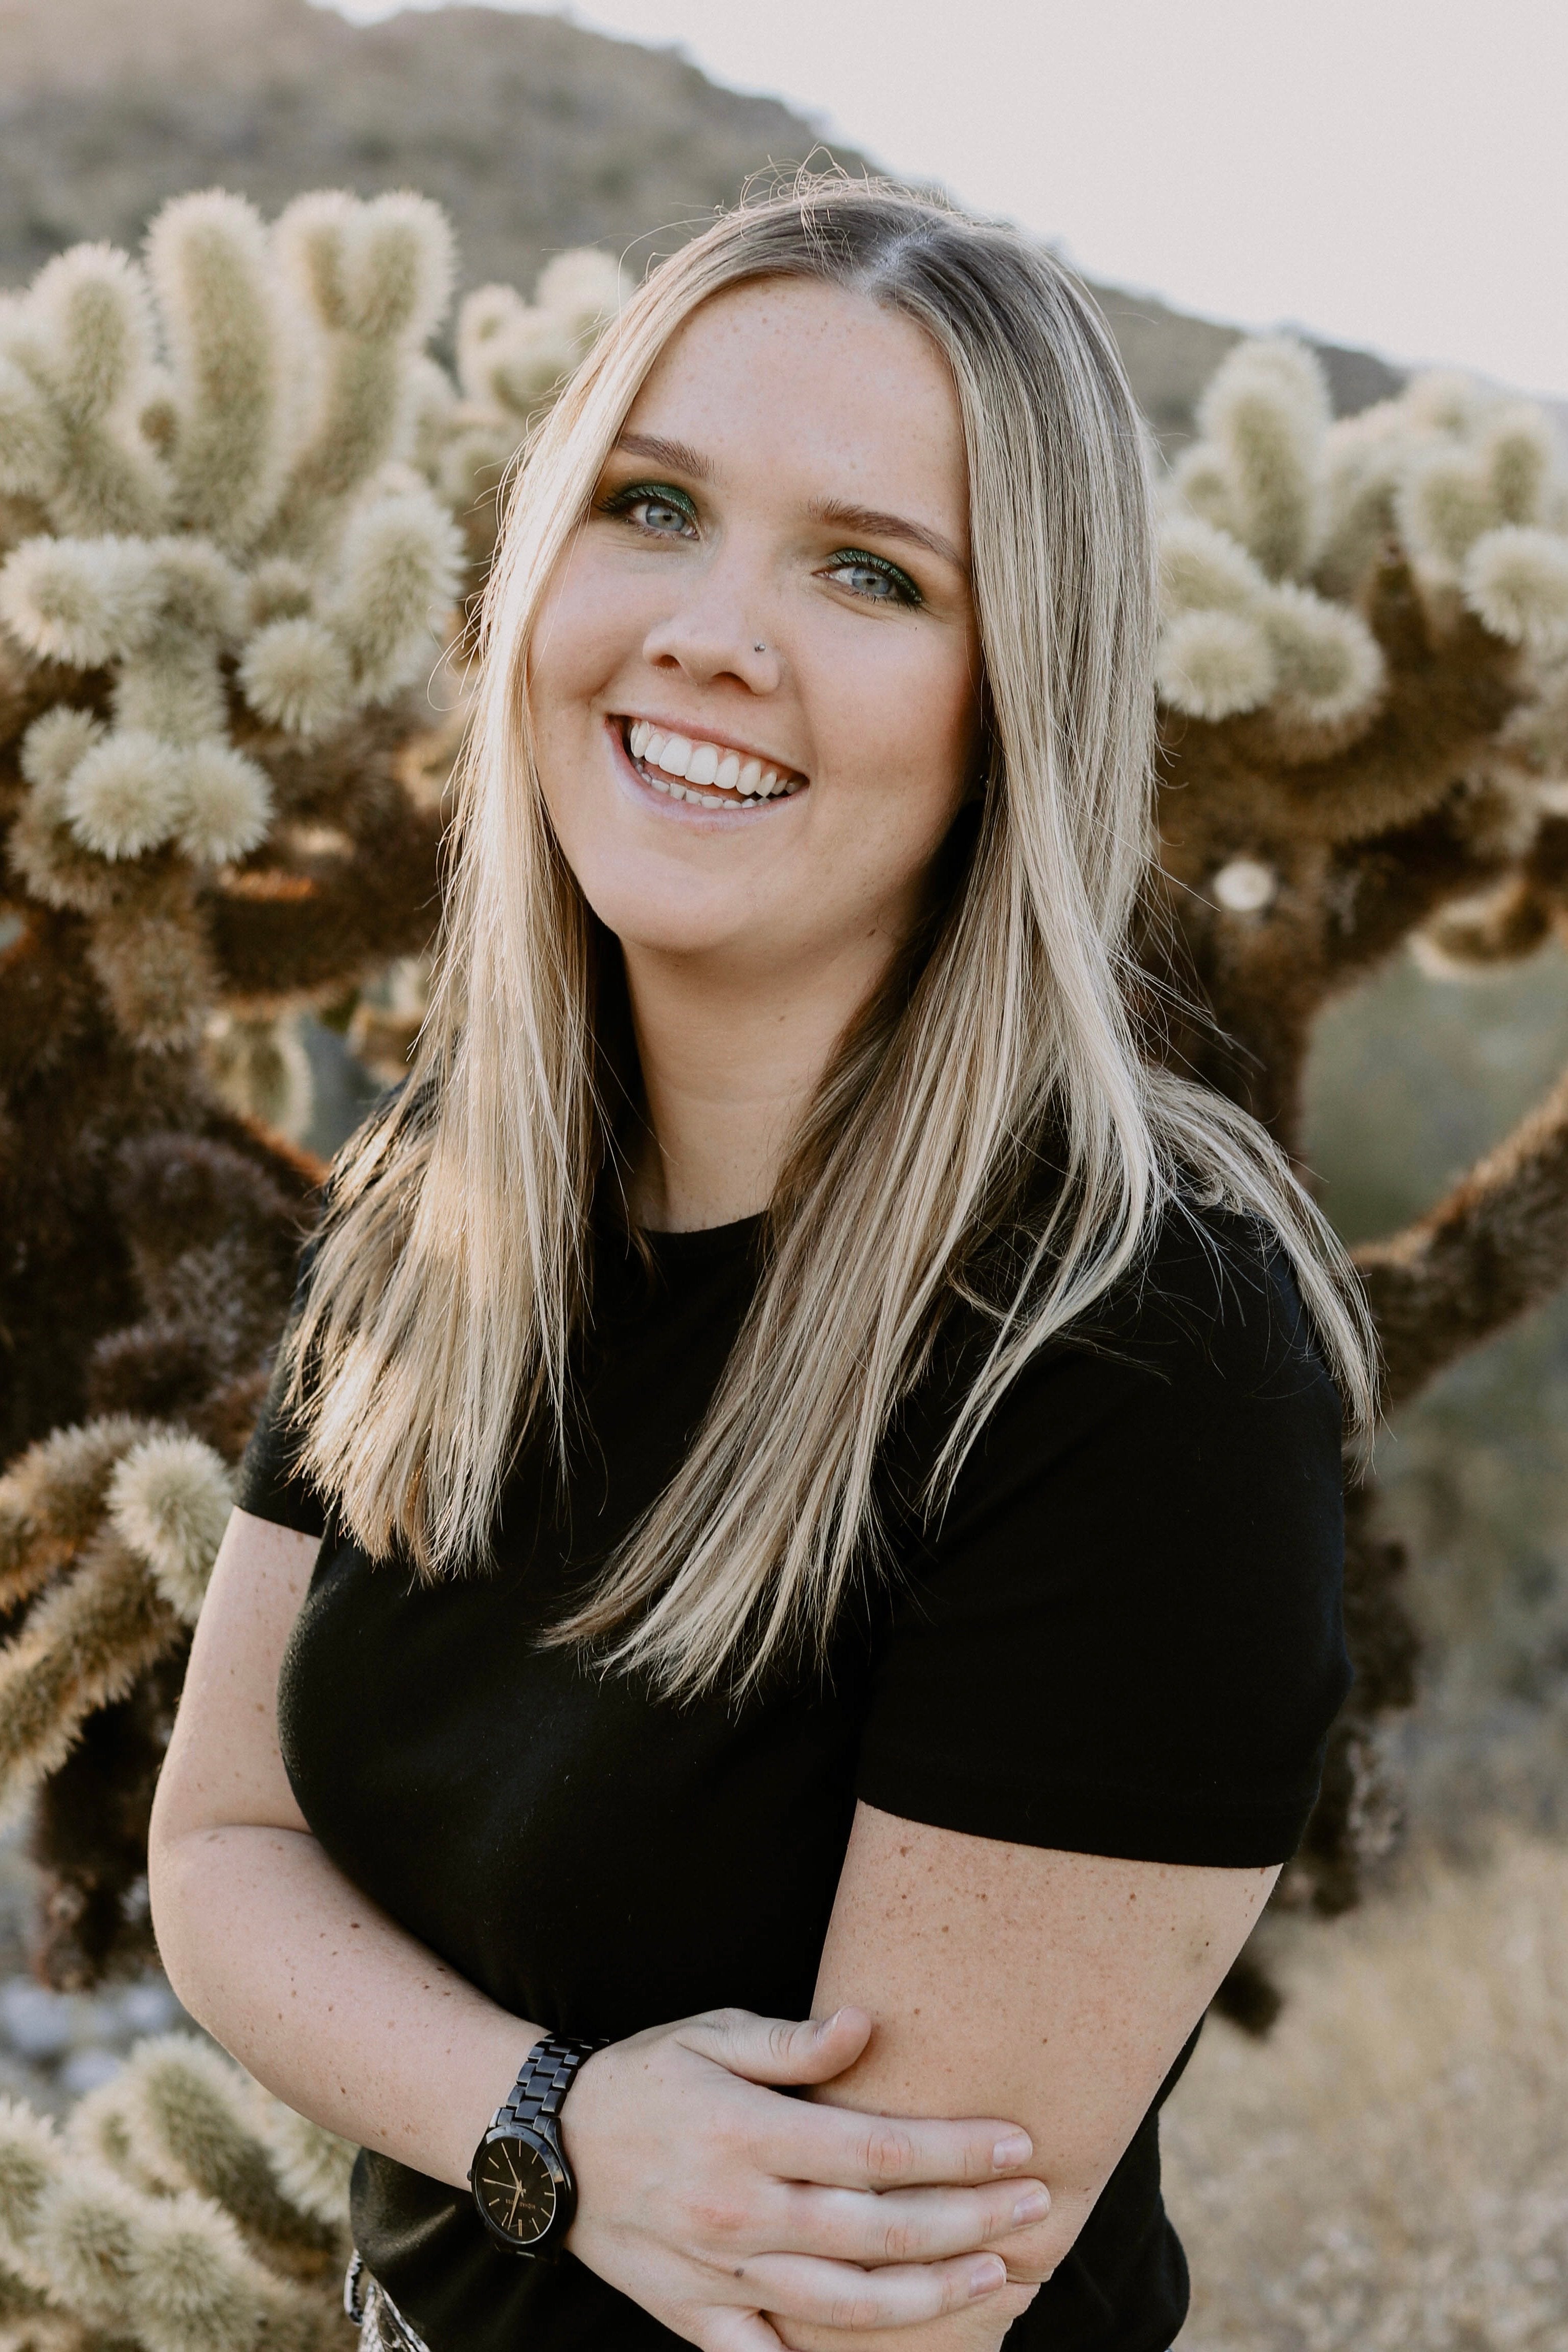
[1389, 2171]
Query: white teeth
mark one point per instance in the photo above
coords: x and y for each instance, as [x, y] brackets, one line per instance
[751, 780]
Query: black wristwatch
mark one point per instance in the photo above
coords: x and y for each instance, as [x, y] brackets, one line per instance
[521, 2180]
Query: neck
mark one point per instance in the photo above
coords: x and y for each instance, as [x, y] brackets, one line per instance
[730, 1065]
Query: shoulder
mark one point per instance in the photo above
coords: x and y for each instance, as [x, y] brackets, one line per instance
[1199, 1374]
[1213, 1301]
[1123, 1634]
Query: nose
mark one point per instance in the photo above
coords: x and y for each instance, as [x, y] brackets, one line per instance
[717, 630]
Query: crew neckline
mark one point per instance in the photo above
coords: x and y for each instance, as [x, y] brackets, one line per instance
[694, 1241]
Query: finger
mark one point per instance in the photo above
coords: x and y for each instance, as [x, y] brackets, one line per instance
[737, 2331]
[778, 2049]
[836, 2148]
[902, 2225]
[840, 2294]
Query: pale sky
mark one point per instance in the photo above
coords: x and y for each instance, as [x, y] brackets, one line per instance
[1390, 173]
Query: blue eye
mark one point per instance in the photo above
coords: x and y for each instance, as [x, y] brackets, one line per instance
[872, 577]
[652, 507]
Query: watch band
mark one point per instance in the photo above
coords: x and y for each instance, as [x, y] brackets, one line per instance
[547, 2076]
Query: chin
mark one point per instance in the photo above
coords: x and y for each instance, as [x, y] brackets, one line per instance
[647, 906]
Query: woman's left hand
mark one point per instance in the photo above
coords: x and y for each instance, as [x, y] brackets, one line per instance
[741, 2219]
[979, 2328]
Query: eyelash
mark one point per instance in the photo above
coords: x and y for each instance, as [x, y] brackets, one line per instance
[909, 594]
[620, 504]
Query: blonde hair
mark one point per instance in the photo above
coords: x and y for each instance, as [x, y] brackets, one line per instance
[454, 1272]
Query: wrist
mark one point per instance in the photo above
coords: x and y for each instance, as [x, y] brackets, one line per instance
[523, 2187]
[480, 2085]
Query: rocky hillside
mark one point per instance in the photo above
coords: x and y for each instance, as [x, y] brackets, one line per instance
[534, 133]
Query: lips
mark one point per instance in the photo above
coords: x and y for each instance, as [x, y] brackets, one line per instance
[711, 775]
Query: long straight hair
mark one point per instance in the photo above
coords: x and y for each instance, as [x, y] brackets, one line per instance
[453, 1276]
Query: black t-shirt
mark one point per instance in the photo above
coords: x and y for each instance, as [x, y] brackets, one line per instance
[1123, 1637]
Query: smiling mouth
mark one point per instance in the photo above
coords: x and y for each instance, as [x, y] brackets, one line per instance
[711, 775]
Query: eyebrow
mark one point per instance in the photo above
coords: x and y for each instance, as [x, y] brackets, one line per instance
[677, 454]
[875, 524]
[840, 512]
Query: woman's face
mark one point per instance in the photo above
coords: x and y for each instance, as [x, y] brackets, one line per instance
[755, 680]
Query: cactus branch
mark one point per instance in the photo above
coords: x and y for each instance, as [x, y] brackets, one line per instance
[1495, 1246]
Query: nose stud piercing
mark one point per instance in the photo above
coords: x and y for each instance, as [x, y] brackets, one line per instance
[759, 648]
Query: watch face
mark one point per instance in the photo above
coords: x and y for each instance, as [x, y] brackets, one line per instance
[517, 2187]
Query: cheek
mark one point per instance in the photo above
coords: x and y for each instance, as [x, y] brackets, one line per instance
[582, 635]
[904, 731]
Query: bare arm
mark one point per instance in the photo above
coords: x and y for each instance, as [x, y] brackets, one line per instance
[1058, 1988]
[314, 1990]
[704, 2195]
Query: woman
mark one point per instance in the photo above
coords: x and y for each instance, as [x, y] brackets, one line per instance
[803, 1482]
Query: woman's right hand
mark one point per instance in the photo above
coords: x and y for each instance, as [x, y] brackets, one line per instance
[713, 2199]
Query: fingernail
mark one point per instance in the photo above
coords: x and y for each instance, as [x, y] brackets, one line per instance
[987, 2276]
[1017, 2148]
[826, 2024]
[1032, 2208]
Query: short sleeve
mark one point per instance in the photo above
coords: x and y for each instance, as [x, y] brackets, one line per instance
[270, 1484]
[1125, 1637]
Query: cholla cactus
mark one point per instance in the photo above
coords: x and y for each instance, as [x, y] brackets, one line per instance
[512, 357]
[387, 1016]
[1363, 669]
[233, 549]
[115, 1526]
[229, 566]
[181, 2210]
[1364, 674]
